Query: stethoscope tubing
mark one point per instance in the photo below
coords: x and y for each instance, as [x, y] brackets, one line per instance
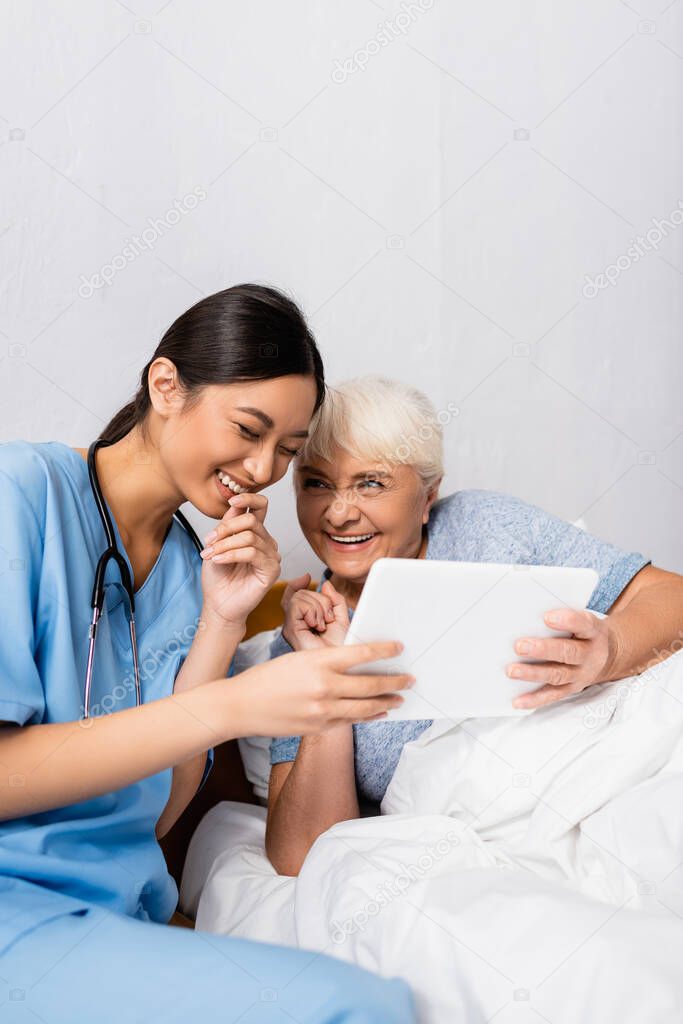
[112, 553]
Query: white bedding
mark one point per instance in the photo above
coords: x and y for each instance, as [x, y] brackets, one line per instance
[524, 869]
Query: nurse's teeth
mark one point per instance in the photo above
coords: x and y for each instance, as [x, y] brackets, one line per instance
[352, 540]
[229, 482]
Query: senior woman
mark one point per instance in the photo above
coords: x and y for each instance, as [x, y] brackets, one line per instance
[367, 484]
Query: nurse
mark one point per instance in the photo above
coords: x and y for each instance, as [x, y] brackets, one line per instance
[223, 407]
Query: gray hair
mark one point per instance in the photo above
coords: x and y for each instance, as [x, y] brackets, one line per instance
[383, 421]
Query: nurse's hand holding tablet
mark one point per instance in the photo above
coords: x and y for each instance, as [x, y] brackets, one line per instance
[312, 693]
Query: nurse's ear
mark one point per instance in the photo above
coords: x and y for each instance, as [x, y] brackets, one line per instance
[165, 393]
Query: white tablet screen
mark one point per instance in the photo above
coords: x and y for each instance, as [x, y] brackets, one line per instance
[458, 622]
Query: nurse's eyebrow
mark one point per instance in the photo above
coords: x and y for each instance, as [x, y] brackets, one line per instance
[267, 421]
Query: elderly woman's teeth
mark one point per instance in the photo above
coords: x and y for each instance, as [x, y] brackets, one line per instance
[229, 482]
[352, 540]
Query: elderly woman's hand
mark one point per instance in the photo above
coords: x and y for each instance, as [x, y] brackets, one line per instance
[567, 664]
[312, 619]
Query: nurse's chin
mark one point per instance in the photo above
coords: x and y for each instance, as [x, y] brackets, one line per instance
[213, 510]
[209, 506]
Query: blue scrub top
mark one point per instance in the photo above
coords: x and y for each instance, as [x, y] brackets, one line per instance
[104, 850]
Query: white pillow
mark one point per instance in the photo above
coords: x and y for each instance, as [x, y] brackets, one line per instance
[255, 750]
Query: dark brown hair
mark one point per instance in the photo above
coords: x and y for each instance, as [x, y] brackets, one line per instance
[245, 333]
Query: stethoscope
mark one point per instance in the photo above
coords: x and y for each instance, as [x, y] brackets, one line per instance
[112, 553]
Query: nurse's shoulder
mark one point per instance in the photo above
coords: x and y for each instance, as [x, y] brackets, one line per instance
[30, 470]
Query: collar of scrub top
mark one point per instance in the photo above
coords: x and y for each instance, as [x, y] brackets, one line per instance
[112, 553]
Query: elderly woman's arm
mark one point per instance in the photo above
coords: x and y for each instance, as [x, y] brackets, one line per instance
[309, 795]
[316, 790]
[647, 621]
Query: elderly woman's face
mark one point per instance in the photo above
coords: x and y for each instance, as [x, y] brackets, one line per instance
[353, 512]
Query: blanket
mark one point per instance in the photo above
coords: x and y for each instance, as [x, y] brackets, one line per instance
[522, 869]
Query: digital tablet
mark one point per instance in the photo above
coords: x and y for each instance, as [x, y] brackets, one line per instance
[458, 622]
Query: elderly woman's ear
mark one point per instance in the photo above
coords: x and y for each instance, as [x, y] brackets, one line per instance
[432, 496]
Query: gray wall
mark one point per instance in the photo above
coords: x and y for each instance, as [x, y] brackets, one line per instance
[439, 184]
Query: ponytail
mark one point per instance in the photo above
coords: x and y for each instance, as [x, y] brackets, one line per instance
[130, 415]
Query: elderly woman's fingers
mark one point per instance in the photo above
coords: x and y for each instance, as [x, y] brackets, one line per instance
[547, 695]
[581, 623]
[295, 585]
[340, 611]
[565, 650]
[315, 608]
[325, 605]
[550, 673]
[305, 608]
[312, 617]
[330, 590]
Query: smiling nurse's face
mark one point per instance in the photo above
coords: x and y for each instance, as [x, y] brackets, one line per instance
[235, 437]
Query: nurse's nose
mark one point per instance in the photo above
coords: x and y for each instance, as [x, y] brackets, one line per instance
[260, 467]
